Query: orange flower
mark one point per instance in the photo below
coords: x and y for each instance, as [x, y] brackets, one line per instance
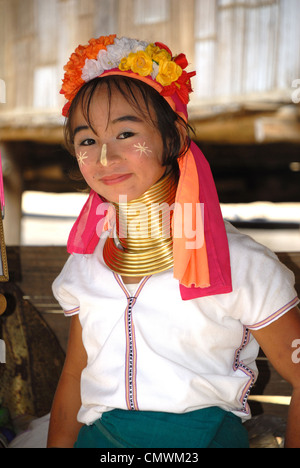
[73, 70]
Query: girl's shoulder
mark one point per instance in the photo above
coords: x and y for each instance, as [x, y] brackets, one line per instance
[254, 261]
[243, 248]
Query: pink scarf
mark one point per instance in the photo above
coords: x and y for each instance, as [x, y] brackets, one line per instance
[202, 271]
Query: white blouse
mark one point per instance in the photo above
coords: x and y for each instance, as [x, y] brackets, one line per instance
[150, 350]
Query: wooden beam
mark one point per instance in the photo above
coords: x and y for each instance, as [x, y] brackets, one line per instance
[273, 129]
[250, 123]
[247, 128]
[225, 129]
[41, 134]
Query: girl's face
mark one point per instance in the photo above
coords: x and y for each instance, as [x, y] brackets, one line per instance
[131, 159]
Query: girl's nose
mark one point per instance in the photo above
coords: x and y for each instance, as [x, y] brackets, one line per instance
[107, 155]
[103, 155]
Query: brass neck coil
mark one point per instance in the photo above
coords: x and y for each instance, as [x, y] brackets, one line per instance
[143, 230]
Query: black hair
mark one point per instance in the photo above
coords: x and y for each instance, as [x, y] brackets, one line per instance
[166, 120]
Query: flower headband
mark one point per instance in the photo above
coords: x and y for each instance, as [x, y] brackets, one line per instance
[124, 55]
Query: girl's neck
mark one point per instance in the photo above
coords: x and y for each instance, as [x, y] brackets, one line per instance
[131, 279]
[143, 232]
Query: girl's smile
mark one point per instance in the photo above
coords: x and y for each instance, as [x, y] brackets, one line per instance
[131, 161]
[115, 179]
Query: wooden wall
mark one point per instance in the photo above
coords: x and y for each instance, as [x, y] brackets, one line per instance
[246, 53]
[242, 49]
[246, 47]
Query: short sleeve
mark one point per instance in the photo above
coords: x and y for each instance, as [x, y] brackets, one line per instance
[264, 288]
[64, 290]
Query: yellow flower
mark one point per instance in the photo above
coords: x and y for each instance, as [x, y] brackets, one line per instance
[161, 55]
[151, 49]
[140, 63]
[168, 72]
[157, 54]
[124, 65]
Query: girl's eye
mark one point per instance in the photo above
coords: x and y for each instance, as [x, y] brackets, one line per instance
[87, 142]
[125, 135]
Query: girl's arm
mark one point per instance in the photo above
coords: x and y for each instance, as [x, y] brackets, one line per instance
[64, 427]
[277, 340]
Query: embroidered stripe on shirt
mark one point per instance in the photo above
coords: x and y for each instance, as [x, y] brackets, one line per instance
[130, 358]
[276, 315]
[72, 311]
[239, 365]
[131, 351]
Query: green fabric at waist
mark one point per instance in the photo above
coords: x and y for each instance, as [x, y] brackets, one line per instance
[206, 428]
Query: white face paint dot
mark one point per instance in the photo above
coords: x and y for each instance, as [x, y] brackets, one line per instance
[80, 158]
[143, 149]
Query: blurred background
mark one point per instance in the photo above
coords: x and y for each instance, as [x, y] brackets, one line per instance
[245, 107]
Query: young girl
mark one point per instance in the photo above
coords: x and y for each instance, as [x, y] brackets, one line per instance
[169, 305]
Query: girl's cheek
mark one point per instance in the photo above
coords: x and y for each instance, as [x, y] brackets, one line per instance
[85, 158]
[142, 149]
[81, 157]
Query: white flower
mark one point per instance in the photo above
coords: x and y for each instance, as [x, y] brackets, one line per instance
[111, 58]
[155, 70]
[106, 60]
[126, 45]
[123, 46]
[139, 45]
[91, 70]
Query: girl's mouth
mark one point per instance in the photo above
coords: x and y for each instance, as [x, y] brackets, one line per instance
[115, 179]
